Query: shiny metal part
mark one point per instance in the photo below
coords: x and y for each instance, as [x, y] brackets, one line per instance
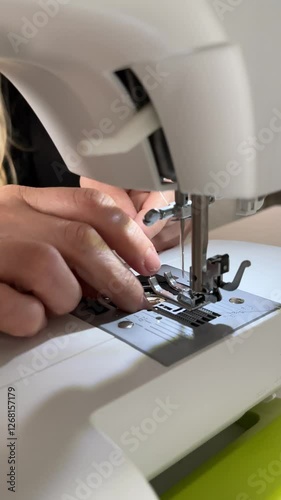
[200, 238]
[190, 300]
[180, 210]
[181, 202]
[236, 301]
[160, 292]
[172, 282]
[182, 238]
[206, 275]
[180, 333]
[125, 325]
[154, 300]
[156, 215]
[230, 287]
[172, 211]
[185, 297]
[182, 206]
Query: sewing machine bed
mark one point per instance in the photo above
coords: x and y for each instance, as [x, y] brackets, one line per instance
[72, 371]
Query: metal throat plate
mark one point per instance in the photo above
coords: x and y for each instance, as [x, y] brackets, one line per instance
[169, 333]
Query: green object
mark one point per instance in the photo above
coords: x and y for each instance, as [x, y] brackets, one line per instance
[248, 469]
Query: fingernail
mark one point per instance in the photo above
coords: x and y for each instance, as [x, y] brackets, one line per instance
[152, 262]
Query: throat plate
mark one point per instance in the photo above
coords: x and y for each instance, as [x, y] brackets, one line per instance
[168, 333]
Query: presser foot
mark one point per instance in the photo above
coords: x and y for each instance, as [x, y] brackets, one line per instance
[180, 292]
[184, 298]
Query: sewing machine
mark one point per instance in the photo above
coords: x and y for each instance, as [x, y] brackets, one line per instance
[151, 96]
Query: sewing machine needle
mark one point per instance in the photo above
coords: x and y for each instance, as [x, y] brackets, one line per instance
[182, 230]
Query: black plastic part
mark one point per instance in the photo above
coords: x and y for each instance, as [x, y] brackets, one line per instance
[157, 140]
[134, 87]
[162, 155]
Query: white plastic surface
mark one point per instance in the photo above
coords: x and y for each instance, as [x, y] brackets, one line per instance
[221, 117]
[60, 377]
[71, 371]
[65, 70]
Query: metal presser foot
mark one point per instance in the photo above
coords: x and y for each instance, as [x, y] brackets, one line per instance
[182, 294]
[205, 280]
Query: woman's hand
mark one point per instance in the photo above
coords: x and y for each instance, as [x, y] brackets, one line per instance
[163, 234]
[50, 236]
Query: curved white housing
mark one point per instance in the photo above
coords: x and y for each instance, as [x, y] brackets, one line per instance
[63, 55]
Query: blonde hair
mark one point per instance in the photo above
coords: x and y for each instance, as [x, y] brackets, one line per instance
[4, 151]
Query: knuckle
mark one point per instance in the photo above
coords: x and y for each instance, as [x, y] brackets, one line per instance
[47, 277]
[23, 192]
[77, 233]
[103, 199]
[89, 197]
[45, 256]
[44, 260]
[30, 196]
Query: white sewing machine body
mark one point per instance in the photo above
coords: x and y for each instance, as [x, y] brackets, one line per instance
[72, 371]
[219, 106]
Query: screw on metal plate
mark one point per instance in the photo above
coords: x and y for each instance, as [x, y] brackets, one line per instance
[125, 325]
[236, 300]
